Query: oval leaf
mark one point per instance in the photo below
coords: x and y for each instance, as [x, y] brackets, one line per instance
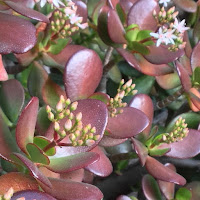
[17, 35]
[82, 74]
[107, 141]
[195, 62]
[3, 73]
[186, 5]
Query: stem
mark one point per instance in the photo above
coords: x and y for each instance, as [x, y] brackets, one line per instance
[50, 145]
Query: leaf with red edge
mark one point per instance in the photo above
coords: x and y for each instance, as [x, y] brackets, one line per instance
[82, 74]
[51, 92]
[89, 109]
[143, 65]
[161, 172]
[27, 12]
[186, 5]
[144, 103]
[103, 166]
[72, 190]
[12, 98]
[100, 96]
[187, 148]
[161, 55]
[150, 188]
[62, 164]
[76, 175]
[32, 168]
[113, 3]
[195, 61]
[146, 20]
[107, 141]
[126, 5]
[17, 35]
[167, 188]
[32, 194]
[141, 150]
[127, 124]
[3, 73]
[184, 76]
[26, 124]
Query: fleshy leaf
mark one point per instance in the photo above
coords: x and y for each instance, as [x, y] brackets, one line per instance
[32, 194]
[89, 108]
[161, 172]
[184, 76]
[76, 175]
[103, 166]
[17, 35]
[72, 190]
[156, 151]
[36, 154]
[141, 150]
[107, 141]
[146, 20]
[82, 74]
[167, 188]
[62, 164]
[26, 124]
[195, 62]
[186, 148]
[194, 187]
[12, 98]
[127, 124]
[194, 99]
[27, 12]
[186, 5]
[161, 55]
[100, 96]
[144, 103]
[32, 168]
[150, 188]
[183, 194]
[3, 73]
[123, 197]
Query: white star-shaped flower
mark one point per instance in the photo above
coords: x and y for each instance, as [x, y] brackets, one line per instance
[164, 2]
[56, 3]
[180, 26]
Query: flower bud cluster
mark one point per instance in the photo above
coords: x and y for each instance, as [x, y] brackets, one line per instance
[179, 132]
[73, 127]
[125, 89]
[8, 195]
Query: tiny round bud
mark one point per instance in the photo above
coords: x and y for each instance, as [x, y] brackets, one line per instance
[77, 133]
[71, 116]
[74, 106]
[48, 109]
[121, 82]
[8, 194]
[96, 137]
[62, 98]
[80, 142]
[68, 125]
[79, 117]
[56, 126]
[59, 106]
[67, 102]
[62, 134]
[72, 137]
[93, 130]
[90, 135]
[51, 116]
[61, 115]
[90, 142]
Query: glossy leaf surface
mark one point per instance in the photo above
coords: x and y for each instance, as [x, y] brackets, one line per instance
[161, 172]
[195, 62]
[72, 190]
[186, 5]
[150, 188]
[11, 98]
[17, 35]
[183, 194]
[82, 74]
[27, 12]
[3, 73]
[103, 166]
[107, 141]
[26, 124]
[128, 124]
[100, 96]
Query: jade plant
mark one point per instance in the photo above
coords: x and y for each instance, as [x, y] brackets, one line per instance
[93, 90]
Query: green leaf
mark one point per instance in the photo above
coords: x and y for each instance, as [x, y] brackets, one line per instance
[59, 46]
[121, 165]
[143, 34]
[196, 76]
[158, 152]
[140, 48]
[121, 13]
[183, 194]
[132, 26]
[131, 35]
[115, 74]
[42, 142]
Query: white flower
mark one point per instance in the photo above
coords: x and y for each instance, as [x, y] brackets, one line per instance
[164, 37]
[56, 3]
[164, 2]
[180, 26]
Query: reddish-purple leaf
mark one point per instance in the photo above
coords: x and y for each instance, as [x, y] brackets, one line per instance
[141, 151]
[126, 5]
[12, 98]
[115, 28]
[62, 164]
[100, 96]
[161, 172]
[94, 112]
[123, 197]
[194, 188]
[33, 169]
[70, 190]
[141, 13]
[195, 61]
[144, 103]
[76, 175]
[3, 73]
[188, 47]
[107, 141]
[161, 55]
[184, 76]
[103, 166]
[17, 35]
[194, 100]
[27, 12]
[187, 148]
[32, 194]
[186, 5]
[128, 124]
[82, 74]
[26, 124]
[185, 61]
[81, 10]
[113, 3]
[167, 188]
